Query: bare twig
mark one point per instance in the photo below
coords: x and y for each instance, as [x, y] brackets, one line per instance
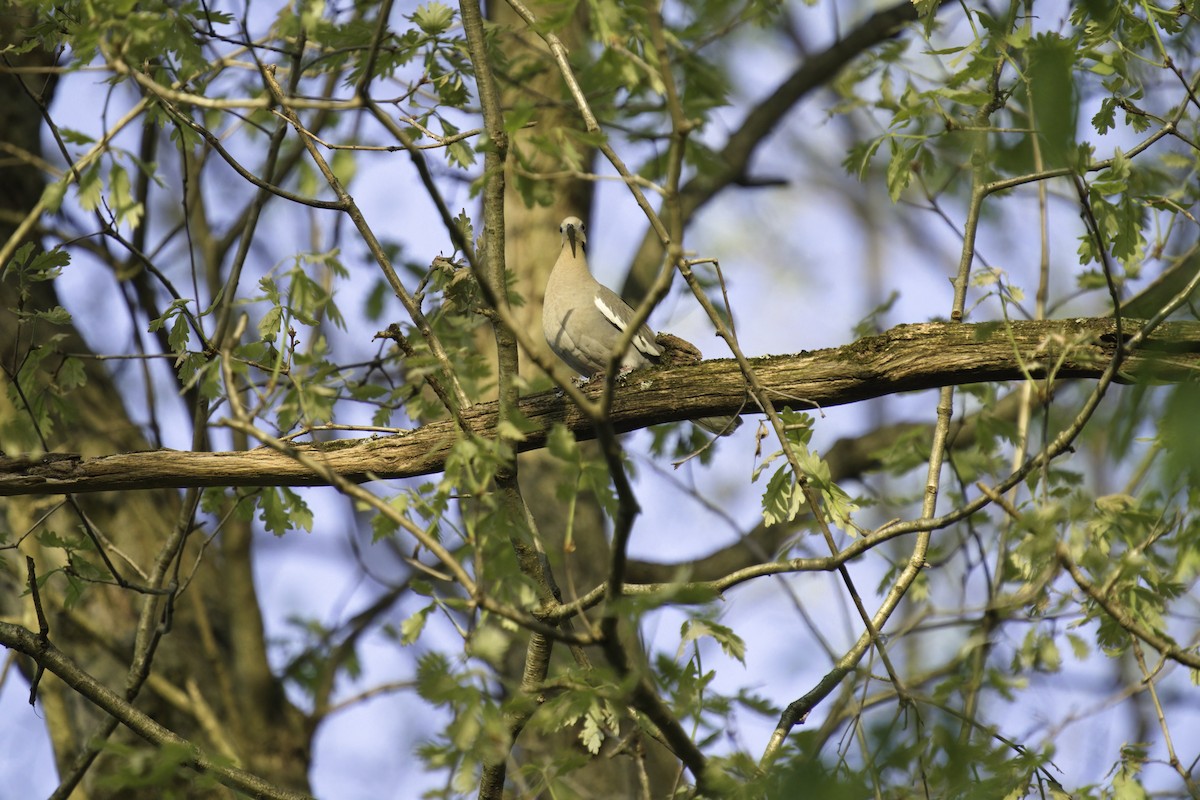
[57, 662]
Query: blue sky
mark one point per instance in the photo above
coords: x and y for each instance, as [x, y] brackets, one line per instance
[804, 262]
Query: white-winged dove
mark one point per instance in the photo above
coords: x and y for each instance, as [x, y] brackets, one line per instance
[583, 319]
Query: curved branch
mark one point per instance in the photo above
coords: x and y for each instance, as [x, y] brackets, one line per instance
[1161, 643]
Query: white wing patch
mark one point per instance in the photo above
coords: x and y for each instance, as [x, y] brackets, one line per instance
[639, 341]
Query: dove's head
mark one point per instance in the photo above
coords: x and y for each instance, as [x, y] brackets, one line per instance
[573, 233]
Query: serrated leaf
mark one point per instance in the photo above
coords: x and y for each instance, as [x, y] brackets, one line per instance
[900, 169]
[72, 136]
[435, 682]
[460, 154]
[268, 326]
[273, 515]
[433, 18]
[283, 510]
[782, 499]
[382, 527]
[591, 736]
[71, 374]
[179, 334]
[55, 316]
[695, 629]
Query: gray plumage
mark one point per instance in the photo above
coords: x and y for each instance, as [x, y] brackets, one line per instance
[583, 320]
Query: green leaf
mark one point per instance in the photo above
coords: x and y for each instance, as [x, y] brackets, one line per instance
[53, 194]
[591, 736]
[465, 227]
[383, 527]
[125, 208]
[433, 18]
[72, 136]
[1105, 119]
[54, 316]
[696, 629]
[90, 189]
[410, 629]
[783, 499]
[435, 682]
[179, 335]
[283, 510]
[270, 323]
[900, 168]
[71, 374]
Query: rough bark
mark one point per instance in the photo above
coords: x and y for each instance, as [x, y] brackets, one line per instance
[906, 358]
[527, 74]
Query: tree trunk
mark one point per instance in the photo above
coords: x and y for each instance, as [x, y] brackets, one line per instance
[208, 677]
[532, 244]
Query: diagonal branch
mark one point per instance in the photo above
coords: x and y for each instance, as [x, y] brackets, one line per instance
[733, 159]
[56, 661]
[1162, 643]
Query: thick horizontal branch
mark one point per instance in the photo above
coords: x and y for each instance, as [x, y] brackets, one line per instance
[906, 358]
